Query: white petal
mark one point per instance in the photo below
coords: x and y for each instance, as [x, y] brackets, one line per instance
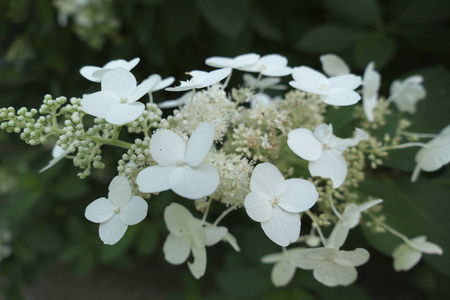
[124, 113]
[214, 234]
[119, 191]
[341, 98]
[258, 206]
[198, 266]
[369, 104]
[405, 257]
[163, 84]
[333, 65]
[121, 63]
[332, 274]
[134, 211]
[167, 148]
[331, 164]
[155, 178]
[112, 230]
[99, 210]
[119, 81]
[309, 80]
[228, 237]
[282, 273]
[245, 60]
[176, 249]
[199, 144]
[337, 236]
[267, 179]
[99, 103]
[272, 258]
[219, 62]
[340, 145]
[88, 71]
[141, 90]
[348, 82]
[277, 72]
[186, 98]
[283, 227]
[194, 183]
[177, 219]
[420, 243]
[351, 215]
[323, 133]
[300, 195]
[353, 258]
[435, 154]
[213, 77]
[303, 143]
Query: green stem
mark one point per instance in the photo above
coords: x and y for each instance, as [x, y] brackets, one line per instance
[407, 145]
[223, 215]
[316, 225]
[117, 143]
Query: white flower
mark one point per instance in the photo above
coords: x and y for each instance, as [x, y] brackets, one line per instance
[58, 154]
[434, 154]
[260, 99]
[180, 165]
[407, 93]
[201, 79]
[348, 220]
[95, 74]
[116, 103]
[337, 90]
[273, 65]
[116, 213]
[269, 83]
[324, 151]
[159, 83]
[188, 235]
[186, 98]
[276, 202]
[408, 254]
[333, 65]
[285, 265]
[371, 85]
[331, 266]
[239, 61]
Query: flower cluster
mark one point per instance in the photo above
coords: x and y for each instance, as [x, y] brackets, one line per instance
[277, 158]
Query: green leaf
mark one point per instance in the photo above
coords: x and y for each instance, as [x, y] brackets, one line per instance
[147, 239]
[227, 17]
[289, 293]
[365, 12]
[433, 39]
[425, 11]
[329, 38]
[264, 27]
[375, 47]
[180, 19]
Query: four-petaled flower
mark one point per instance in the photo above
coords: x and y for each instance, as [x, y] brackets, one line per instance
[180, 165]
[95, 74]
[284, 265]
[337, 90]
[276, 202]
[324, 151]
[407, 93]
[187, 234]
[116, 213]
[201, 79]
[269, 83]
[116, 102]
[408, 254]
[273, 65]
[239, 61]
[159, 83]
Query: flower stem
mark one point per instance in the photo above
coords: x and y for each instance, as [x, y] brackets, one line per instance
[224, 214]
[117, 143]
[316, 225]
[407, 145]
[205, 214]
[334, 207]
[419, 135]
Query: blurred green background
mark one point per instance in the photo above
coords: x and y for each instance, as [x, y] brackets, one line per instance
[44, 44]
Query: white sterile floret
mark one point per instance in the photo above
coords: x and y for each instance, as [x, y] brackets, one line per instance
[201, 79]
[116, 213]
[273, 65]
[408, 254]
[239, 61]
[262, 99]
[337, 90]
[187, 234]
[185, 99]
[371, 85]
[324, 151]
[116, 102]
[348, 220]
[158, 83]
[58, 154]
[331, 266]
[333, 65]
[95, 74]
[434, 155]
[284, 265]
[407, 93]
[180, 164]
[276, 202]
[270, 83]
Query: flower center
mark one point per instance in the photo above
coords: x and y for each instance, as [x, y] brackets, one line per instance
[123, 100]
[117, 210]
[324, 87]
[326, 147]
[181, 163]
[276, 200]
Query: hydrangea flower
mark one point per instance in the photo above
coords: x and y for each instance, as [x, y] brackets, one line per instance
[188, 235]
[434, 155]
[407, 93]
[186, 98]
[324, 151]
[408, 254]
[337, 90]
[201, 79]
[239, 61]
[284, 265]
[273, 65]
[159, 83]
[180, 164]
[95, 74]
[276, 202]
[115, 213]
[333, 65]
[269, 83]
[371, 85]
[58, 154]
[331, 266]
[116, 102]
